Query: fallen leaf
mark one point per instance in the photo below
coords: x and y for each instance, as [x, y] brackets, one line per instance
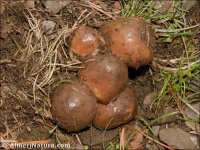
[177, 138]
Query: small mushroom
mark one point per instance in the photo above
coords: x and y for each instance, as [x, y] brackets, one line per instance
[117, 112]
[73, 106]
[131, 39]
[86, 41]
[105, 75]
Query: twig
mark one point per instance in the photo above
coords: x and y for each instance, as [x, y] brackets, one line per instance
[195, 133]
[173, 70]
[158, 142]
[76, 23]
[70, 65]
[91, 5]
[100, 10]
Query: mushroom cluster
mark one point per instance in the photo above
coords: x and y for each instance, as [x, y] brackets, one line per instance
[100, 95]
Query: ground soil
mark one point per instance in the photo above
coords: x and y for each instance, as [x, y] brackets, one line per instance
[19, 116]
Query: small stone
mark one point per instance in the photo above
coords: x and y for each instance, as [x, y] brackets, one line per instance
[117, 6]
[156, 130]
[159, 85]
[191, 114]
[4, 91]
[176, 138]
[163, 6]
[192, 125]
[165, 111]
[54, 6]
[13, 89]
[48, 26]
[17, 107]
[193, 84]
[149, 99]
[30, 4]
[28, 129]
[188, 4]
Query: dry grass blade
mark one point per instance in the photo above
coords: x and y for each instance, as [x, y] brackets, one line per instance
[158, 142]
[171, 69]
[122, 140]
[98, 8]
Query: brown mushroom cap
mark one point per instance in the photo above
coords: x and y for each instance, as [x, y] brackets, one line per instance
[86, 41]
[131, 39]
[73, 106]
[117, 112]
[105, 75]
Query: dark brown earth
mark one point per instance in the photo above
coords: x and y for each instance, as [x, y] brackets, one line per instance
[20, 116]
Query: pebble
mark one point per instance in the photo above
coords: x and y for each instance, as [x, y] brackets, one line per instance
[17, 107]
[28, 129]
[168, 110]
[4, 91]
[13, 89]
[192, 125]
[54, 6]
[176, 138]
[30, 4]
[190, 113]
[149, 99]
[156, 130]
[187, 5]
[163, 6]
[48, 26]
